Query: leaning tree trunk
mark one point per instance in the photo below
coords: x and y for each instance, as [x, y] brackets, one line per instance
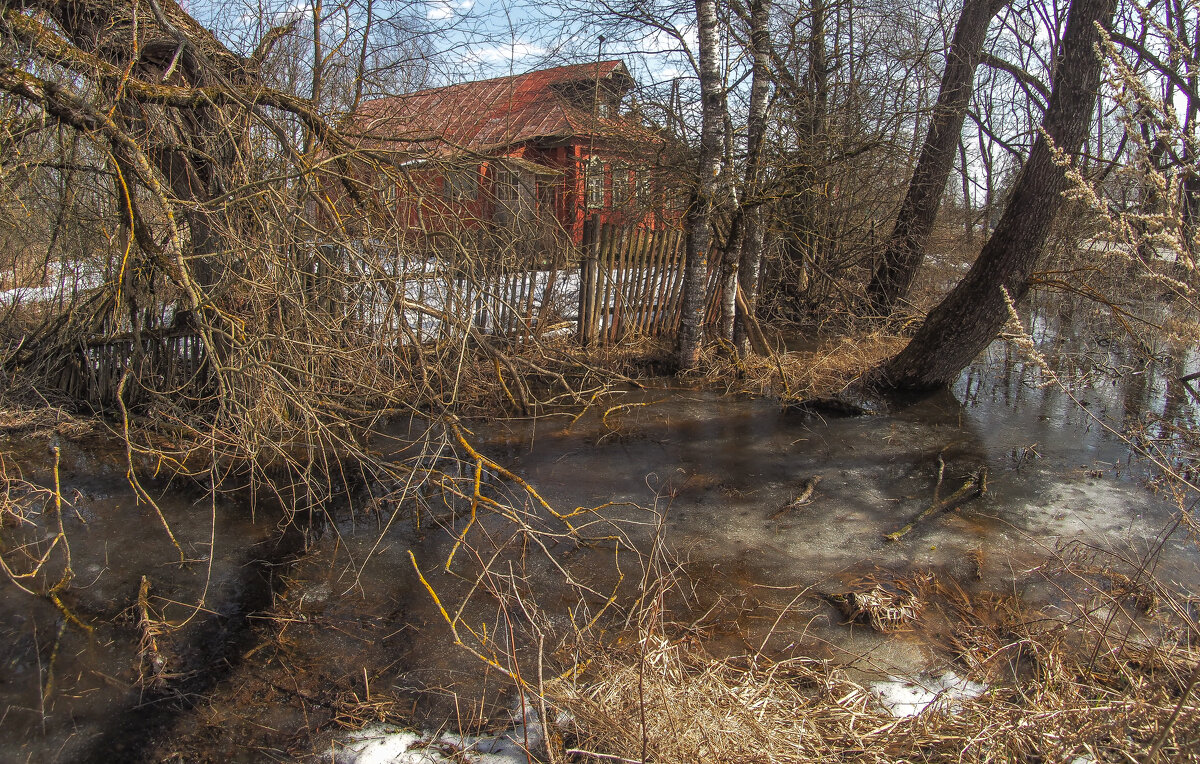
[700, 211]
[756, 124]
[905, 248]
[973, 313]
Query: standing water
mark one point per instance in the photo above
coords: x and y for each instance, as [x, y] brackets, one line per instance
[762, 516]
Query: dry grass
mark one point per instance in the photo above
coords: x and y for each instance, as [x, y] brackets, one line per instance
[44, 420]
[664, 700]
[885, 604]
[794, 375]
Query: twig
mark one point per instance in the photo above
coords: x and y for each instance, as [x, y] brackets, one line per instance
[605, 756]
[1187, 385]
[1152, 755]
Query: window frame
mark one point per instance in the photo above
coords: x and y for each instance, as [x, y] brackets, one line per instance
[594, 184]
[506, 184]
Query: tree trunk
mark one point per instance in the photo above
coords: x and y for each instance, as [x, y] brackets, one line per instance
[756, 128]
[804, 247]
[1191, 182]
[700, 211]
[973, 313]
[905, 248]
[730, 200]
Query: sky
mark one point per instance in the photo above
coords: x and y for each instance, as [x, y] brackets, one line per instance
[479, 38]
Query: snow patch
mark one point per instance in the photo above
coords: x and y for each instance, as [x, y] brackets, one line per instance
[905, 697]
[389, 744]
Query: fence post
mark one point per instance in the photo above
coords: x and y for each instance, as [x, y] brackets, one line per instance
[588, 272]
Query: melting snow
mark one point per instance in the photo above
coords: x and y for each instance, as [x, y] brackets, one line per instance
[908, 697]
[388, 744]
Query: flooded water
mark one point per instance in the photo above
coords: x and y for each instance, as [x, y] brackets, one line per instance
[758, 513]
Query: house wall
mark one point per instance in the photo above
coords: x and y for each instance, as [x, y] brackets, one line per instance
[422, 202]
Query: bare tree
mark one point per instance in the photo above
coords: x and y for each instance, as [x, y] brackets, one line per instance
[753, 228]
[904, 250]
[700, 210]
[973, 313]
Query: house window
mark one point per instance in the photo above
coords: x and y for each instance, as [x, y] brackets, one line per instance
[594, 181]
[545, 195]
[641, 182]
[621, 186]
[461, 186]
[504, 185]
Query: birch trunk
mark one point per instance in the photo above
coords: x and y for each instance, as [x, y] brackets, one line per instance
[700, 211]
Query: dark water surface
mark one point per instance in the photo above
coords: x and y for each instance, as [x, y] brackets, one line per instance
[287, 640]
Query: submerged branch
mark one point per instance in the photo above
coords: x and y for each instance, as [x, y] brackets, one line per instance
[975, 487]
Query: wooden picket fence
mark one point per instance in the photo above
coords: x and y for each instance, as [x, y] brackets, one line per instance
[627, 283]
[631, 284]
[172, 361]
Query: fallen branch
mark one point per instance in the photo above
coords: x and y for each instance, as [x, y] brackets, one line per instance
[975, 486]
[805, 497]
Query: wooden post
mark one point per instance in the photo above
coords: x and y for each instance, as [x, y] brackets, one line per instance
[588, 281]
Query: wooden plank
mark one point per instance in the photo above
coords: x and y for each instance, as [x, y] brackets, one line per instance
[675, 302]
[633, 281]
[583, 327]
[712, 294]
[662, 274]
[606, 257]
[639, 292]
[621, 271]
[527, 319]
[646, 298]
[591, 295]
[547, 299]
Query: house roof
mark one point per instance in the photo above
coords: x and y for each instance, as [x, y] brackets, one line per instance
[497, 113]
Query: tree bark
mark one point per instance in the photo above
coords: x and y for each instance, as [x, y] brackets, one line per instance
[700, 211]
[905, 248]
[973, 313]
[756, 128]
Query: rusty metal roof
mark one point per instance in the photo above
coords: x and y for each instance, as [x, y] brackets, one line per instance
[496, 113]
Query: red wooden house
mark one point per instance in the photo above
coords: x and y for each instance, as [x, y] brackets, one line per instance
[552, 147]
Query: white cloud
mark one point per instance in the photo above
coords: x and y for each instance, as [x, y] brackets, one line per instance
[440, 10]
[493, 55]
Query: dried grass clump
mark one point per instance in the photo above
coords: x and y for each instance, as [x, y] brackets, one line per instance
[1080, 697]
[801, 374]
[42, 419]
[885, 605]
[672, 702]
